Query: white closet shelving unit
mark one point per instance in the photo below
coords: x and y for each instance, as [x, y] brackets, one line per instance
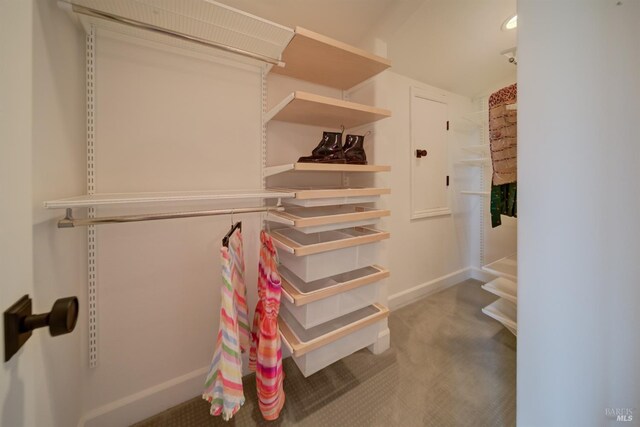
[505, 286]
[329, 251]
[205, 28]
[480, 153]
[327, 312]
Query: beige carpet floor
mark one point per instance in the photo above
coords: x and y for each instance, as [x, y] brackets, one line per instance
[448, 365]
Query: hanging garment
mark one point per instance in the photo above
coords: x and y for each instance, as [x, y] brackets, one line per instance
[503, 143]
[265, 357]
[503, 202]
[503, 135]
[223, 385]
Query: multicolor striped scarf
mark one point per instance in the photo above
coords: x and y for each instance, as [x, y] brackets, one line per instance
[265, 357]
[223, 386]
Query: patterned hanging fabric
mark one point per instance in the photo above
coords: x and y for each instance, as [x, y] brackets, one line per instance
[503, 144]
[265, 357]
[223, 385]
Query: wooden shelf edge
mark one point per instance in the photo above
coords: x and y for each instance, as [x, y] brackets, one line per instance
[333, 219]
[298, 250]
[335, 102]
[342, 244]
[300, 298]
[300, 348]
[329, 109]
[342, 192]
[341, 45]
[324, 167]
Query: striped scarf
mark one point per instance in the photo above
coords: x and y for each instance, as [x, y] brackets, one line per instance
[265, 357]
[223, 385]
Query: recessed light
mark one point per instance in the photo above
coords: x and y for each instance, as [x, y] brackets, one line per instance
[511, 23]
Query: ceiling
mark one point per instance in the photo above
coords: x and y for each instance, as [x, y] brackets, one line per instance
[451, 44]
[455, 45]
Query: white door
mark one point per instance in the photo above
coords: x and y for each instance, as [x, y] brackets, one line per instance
[429, 155]
[17, 378]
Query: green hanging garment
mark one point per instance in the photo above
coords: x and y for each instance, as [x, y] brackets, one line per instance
[503, 202]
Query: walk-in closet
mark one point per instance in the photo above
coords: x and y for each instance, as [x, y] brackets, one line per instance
[319, 213]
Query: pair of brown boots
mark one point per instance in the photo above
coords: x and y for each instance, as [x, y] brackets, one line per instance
[331, 150]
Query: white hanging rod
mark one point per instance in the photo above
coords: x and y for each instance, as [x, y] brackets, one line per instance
[145, 26]
[69, 221]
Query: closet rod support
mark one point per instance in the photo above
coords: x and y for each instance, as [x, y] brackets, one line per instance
[69, 221]
[175, 34]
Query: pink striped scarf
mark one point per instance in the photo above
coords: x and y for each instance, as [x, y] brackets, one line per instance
[223, 385]
[265, 357]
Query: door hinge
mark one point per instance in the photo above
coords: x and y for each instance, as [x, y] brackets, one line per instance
[447, 180]
[447, 124]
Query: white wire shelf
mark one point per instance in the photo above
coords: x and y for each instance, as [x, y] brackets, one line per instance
[195, 22]
[108, 199]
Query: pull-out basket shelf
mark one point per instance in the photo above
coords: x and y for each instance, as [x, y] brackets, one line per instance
[318, 219]
[313, 303]
[315, 348]
[319, 255]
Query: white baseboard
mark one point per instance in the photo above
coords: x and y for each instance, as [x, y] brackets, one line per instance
[143, 404]
[479, 274]
[410, 295]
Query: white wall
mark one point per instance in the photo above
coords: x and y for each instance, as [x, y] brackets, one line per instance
[579, 239]
[165, 121]
[425, 254]
[18, 391]
[59, 168]
[43, 112]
